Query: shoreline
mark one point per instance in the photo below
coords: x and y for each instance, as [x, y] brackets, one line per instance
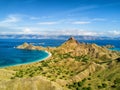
[49, 54]
[115, 49]
[38, 60]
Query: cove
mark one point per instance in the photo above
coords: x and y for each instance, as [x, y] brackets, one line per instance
[13, 57]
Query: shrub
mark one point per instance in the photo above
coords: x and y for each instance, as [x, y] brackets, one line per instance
[89, 78]
[44, 64]
[78, 88]
[89, 84]
[12, 78]
[104, 85]
[98, 76]
[86, 88]
[99, 86]
[113, 86]
[80, 84]
[117, 81]
[31, 74]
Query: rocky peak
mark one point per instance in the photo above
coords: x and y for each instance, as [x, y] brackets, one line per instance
[25, 44]
[69, 45]
[72, 40]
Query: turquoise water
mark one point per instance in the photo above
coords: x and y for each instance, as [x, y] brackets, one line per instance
[10, 56]
[15, 57]
[115, 49]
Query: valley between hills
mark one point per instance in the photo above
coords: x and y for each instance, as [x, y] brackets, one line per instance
[72, 66]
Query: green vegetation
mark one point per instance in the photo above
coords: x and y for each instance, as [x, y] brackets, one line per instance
[45, 69]
[102, 86]
[83, 58]
[79, 86]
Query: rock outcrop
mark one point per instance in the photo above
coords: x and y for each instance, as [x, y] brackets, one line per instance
[29, 47]
[23, 46]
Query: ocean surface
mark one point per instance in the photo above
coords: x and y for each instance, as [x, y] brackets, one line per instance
[9, 55]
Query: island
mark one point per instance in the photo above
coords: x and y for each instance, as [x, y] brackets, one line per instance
[71, 66]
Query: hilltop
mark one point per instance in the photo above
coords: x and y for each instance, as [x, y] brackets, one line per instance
[72, 66]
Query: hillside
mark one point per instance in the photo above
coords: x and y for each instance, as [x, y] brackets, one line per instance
[72, 66]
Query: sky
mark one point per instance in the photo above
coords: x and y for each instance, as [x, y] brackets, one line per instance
[60, 17]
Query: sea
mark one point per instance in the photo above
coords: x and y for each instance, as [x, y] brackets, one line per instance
[10, 56]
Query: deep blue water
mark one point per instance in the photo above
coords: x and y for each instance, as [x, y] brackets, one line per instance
[12, 56]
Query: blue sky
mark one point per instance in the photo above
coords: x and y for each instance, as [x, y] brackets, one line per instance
[60, 17]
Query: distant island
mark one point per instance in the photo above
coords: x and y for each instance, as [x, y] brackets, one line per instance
[62, 37]
[72, 66]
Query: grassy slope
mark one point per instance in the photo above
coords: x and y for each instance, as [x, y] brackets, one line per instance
[108, 79]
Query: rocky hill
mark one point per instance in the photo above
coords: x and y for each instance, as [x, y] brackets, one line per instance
[77, 49]
[72, 66]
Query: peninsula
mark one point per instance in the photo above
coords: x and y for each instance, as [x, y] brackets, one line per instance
[72, 66]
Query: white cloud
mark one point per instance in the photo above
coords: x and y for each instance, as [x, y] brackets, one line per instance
[98, 19]
[47, 32]
[47, 23]
[81, 22]
[87, 21]
[72, 32]
[27, 31]
[78, 9]
[38, 18]
[11, 19]
[113, 33]
[34, 18]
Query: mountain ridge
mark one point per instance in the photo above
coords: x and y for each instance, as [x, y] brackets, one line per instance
[63, 37]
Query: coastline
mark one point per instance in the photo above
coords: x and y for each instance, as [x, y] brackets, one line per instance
[49, 54]
[38, 60]
[115, 49]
